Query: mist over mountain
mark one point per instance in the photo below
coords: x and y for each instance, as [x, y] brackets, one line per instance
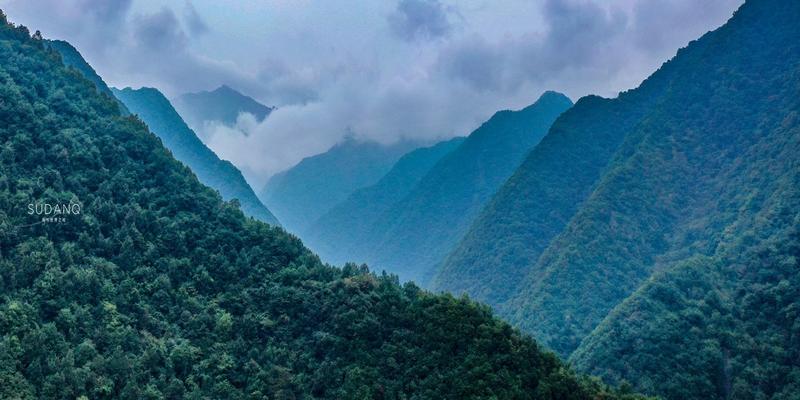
[150, 105]
[336, 233]
[221, 105]
[157, 112]
[413, 236]
[160, 289]
[305, 192]
[644, 244]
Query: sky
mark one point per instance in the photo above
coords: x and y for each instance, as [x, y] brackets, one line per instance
[374, 70]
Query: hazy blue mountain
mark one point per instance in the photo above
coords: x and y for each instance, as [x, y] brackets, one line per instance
[653, 238]
[412, 237]
[492, 260]
[223, 104]
[71, 57]
[157, 112]
[305, 192]
[158, 289]
[343, 228]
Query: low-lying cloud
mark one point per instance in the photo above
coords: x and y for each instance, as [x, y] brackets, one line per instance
[419, 69]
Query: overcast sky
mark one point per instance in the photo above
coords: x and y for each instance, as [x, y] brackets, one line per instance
[379, 70]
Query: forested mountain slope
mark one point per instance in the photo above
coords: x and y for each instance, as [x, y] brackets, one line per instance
[160, 289]
[305, 192]
[73, 58]
[344, 227]
[157, 112]
[544, 193]
[656, 233]
[723, 318]
[223, 104]
[413, 236]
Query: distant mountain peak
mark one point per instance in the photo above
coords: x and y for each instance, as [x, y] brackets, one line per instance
[224, 88]
[223, 104]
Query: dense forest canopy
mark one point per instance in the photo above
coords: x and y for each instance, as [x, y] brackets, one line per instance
[652, 238]
[160, 289]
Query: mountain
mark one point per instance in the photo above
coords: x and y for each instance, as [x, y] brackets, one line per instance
[223, 104]
[654, 237]
[162, 119]
[412, 237]
[337, 232]
[539, 199]
[305, 192]
[154, 287]
[157, 112]
[71, 57]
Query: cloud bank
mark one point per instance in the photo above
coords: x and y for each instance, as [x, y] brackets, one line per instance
[419, 69]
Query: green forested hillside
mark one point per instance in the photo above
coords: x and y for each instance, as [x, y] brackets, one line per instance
[223, 104]
[160, 289]
[417, 232]
[537, 201]
[157, 112]
[669, 259]
[302, 194]
[345, 226]
[723, 318]
[73, 58]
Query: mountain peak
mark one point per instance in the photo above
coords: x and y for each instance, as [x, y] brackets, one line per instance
[224, 88]
[223, 104]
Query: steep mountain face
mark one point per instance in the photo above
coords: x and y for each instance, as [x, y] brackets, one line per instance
[345, 226]
[667, 255]
[223, 104]
[302, 194]
[721, 321]
[157, 112]
[73, 58]
[157, 288]
[413, 236]
[539, 199]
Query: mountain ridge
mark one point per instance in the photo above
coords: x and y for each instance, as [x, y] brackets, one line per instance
[156, 111]
[307, 190]
[160, 289]
[411, 238]
[648, 262]
[345, 225]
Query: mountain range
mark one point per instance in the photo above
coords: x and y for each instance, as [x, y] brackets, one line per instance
[150, 105]
[416, 232]
[162, 119]
[334, 235]
[650, 241]
[653, 238]
[306, 191]
[157, 288]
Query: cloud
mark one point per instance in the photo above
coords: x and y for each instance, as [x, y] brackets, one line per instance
[159, 32]
[419, 19]
[98, 18]
[197, 26]
[416, 69]
[583, 46]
